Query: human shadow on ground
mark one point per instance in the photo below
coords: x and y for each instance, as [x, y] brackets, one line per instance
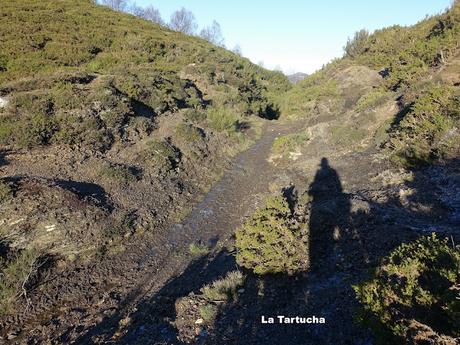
[329, 212]
[350, 234]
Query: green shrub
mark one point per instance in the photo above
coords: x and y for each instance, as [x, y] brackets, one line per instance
[65, 96]
[208, 312]
[224, 289]
[119, 173]
[188, 133]
[271, 241]
[14, 274]
[195, 115]
[418, 283]
[408, 53]
[346, 135]
[357, 44]
[193, 102]
[38, 130]
[422, 136]
[310, 92]
[162, 155]
[7, 128]
[197, 249]
[5, 191]
[372, 100]
[137, 65]
[27, 103]
[222, 119]
[288, 143]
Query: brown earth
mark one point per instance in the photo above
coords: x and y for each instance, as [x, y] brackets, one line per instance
[358, 207]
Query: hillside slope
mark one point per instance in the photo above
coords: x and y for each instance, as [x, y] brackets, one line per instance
[110, 126]
[342, 192]
[412, 71]
[113, 128]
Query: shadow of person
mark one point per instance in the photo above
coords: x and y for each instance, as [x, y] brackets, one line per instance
[329, 212]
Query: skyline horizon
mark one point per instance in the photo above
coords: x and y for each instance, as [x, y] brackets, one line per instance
[277, 46]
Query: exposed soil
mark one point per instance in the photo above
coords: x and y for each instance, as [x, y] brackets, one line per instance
[80, 296]
[130, 297]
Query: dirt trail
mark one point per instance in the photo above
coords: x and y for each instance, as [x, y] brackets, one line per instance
[86, 302]
[129, 297]
[235, 196]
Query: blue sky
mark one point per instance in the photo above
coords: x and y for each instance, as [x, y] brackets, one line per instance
[298, 36]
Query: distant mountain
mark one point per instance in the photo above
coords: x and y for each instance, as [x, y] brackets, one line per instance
[296, 77]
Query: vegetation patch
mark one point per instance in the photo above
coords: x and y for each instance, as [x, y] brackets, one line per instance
[188, 133]
[84, 89]
[224, 289]
[196, 116]
[197, 249]
[16, 274]
[345, 135]
[416, 288]
[406, 54]
[428, 130]
[372, 100]
[120, 173]
[273, 241]
[310, 93]
[208, 312]
[161, 155]
[289, 143]
[196, 313]
[222, 119]
[5, 191]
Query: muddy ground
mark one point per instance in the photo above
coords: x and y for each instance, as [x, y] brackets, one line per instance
[130, 297]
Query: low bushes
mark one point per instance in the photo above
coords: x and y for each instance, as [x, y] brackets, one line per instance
[416, 287]
[161, 155]
[428, 130]
[188, 133]
[288, 143]
[84, 91]
[272, 241]
[222, 119]
[197, 249]
[345, 135]
[5, 191]
[224, 289]
[372, 100]
[14, 276]
[120, 173]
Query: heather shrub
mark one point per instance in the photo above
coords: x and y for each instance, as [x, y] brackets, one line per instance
[161, 155]
[416, 287]
[188, 133]
[120, 173]
[288, 143]
[272, 241]
[428, 130]
[224, 289]
[5, 191]
[222, 119]
[15, 273]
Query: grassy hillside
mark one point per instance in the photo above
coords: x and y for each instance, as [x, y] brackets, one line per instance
[418, 68]
[110, 126]
[61, 60]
